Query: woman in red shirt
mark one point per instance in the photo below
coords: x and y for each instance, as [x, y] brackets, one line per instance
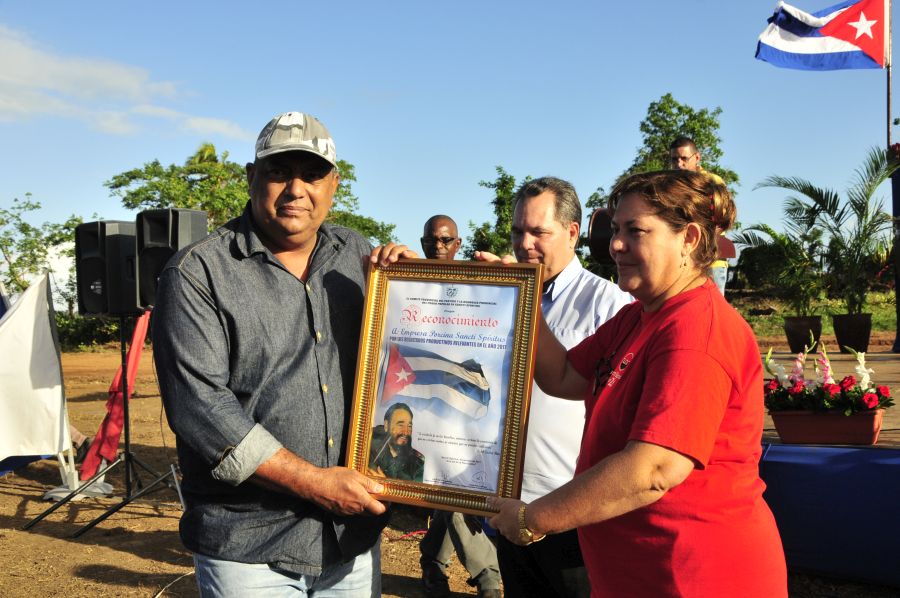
[667, 497]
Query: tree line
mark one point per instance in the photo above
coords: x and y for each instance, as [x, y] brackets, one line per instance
[666, 120]
[209, 181]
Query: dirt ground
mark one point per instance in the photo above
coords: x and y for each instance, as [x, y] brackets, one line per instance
[136, 552]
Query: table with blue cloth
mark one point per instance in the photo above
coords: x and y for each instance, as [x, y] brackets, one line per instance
[836, 509]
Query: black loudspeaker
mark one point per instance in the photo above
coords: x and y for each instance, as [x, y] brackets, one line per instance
[104, 268]
[599, 236]
[160, 233]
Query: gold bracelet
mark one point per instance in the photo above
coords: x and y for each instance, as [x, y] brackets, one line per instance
[526, 535]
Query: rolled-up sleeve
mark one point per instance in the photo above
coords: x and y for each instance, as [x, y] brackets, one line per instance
[256, 448]
[192, 362]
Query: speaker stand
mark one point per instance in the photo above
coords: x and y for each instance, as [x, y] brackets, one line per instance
[126, 458]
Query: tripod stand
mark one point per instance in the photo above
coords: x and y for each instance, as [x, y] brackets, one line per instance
[126, 458]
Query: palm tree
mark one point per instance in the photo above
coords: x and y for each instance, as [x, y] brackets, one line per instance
[857, 228]
[798, 250]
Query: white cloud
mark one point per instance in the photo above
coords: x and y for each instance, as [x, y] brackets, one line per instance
[217, 126]
[35, 81]
[158, 111]
[115, 123]
[19, 104]
[196, 124]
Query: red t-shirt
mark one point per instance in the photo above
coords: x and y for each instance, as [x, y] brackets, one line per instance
[689, 378]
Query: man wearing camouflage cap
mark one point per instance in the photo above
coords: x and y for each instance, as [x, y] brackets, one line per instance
[255, 334]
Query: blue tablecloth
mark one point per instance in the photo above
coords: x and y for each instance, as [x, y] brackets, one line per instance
[837, 509]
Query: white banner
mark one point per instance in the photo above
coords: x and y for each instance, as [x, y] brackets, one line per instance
[32, 402]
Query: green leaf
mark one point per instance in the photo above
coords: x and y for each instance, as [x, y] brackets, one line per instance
[25, 248]
[667, 119]
[855, 229]
[495, 237]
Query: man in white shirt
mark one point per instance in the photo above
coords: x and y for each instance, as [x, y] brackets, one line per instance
[575, 302]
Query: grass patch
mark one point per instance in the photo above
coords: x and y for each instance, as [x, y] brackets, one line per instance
[765, 313]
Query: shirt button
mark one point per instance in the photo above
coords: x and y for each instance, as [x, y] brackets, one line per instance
[325, 388]
[318, 335]
[331, 442]
[308, 288]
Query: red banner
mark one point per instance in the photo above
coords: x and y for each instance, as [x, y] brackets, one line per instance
[106, 443]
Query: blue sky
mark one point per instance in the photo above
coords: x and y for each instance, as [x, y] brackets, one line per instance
[425, 98]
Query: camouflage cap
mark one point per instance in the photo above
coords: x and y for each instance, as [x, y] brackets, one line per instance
[295, 131]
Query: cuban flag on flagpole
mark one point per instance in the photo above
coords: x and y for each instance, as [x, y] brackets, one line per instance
[854, 34]
[415, 373]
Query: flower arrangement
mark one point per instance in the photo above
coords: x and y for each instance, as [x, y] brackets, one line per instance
[793, 392]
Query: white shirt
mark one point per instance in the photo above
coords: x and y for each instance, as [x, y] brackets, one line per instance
[575, 305]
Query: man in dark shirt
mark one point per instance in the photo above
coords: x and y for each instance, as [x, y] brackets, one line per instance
[440, 238]
[255, 333]
[448, 531]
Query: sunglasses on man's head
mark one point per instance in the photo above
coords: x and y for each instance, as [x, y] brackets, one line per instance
[445, 241]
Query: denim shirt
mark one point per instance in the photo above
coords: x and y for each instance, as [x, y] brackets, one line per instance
[251, 359]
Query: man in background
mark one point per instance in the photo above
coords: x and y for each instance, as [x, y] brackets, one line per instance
[575, 302]
[440, 238]
[684, 155]
[448, 531]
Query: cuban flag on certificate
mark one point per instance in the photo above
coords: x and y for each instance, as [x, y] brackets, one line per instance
[851, 35]
[415, 373]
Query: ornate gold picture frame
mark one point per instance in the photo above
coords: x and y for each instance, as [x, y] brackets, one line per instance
[443, 381]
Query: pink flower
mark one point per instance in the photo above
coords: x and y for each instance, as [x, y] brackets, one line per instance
[772, 385]
[870, 400]
[797, 388]
[848, 382]
[827, 377]
[884, 391]
[797, 371]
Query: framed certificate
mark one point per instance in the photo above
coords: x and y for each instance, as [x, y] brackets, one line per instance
[443, 381]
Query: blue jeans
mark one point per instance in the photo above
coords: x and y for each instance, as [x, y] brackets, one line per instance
[359, 578]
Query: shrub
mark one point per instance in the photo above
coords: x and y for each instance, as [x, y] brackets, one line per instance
[78, 332]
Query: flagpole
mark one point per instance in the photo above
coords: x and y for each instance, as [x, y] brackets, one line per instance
[888, 61]
[895, 178]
